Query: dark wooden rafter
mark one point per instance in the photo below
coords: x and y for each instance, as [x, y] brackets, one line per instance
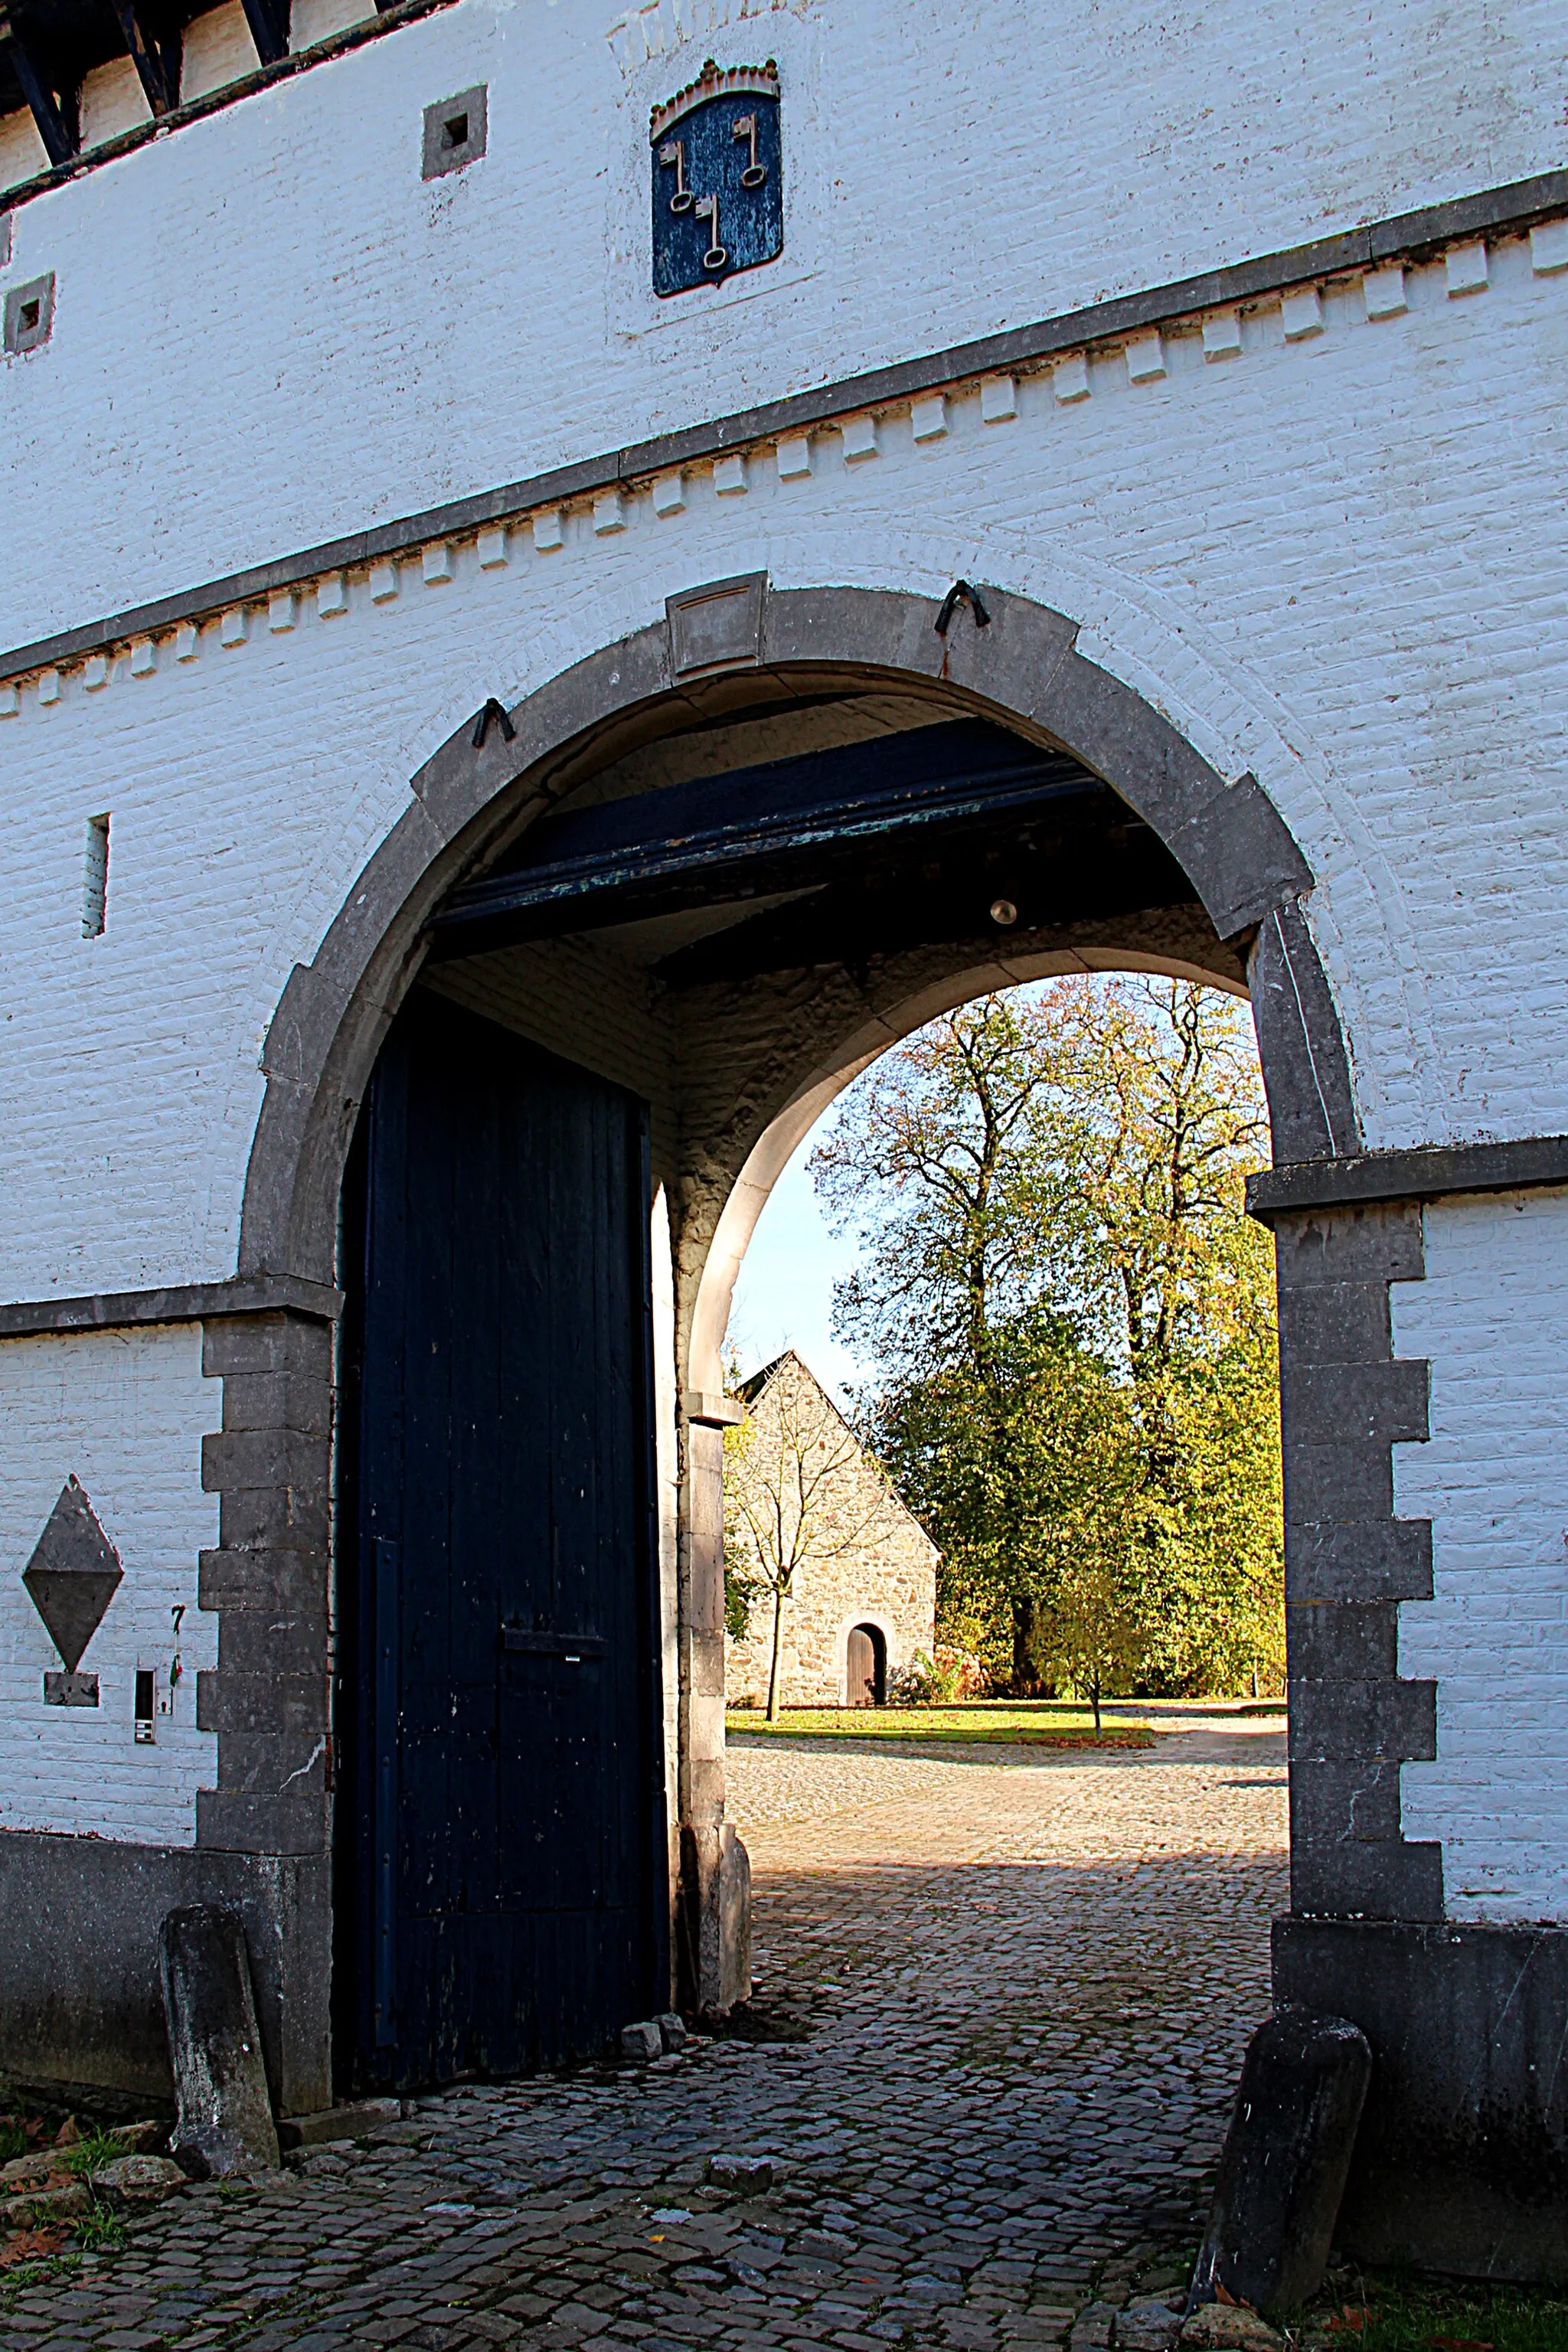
[52, 100]
[156, 50]
[955, 833]
[49, 46]
[269, 22]
[753, 828]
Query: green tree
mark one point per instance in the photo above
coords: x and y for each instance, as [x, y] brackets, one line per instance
[1073, 1322]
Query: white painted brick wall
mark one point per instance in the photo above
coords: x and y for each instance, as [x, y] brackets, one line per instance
[271, 330]
[1368, 628]
[1492, 1318]
[125, 1411]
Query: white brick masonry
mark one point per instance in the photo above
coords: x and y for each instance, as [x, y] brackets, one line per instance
[125, 1411]
[1371, 631]
[271, 329]
[1493, 1317]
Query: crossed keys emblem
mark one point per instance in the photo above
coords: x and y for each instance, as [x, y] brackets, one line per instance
[754, 175]
[718, 204]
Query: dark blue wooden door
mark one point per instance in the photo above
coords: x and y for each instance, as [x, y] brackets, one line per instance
[501, 1895]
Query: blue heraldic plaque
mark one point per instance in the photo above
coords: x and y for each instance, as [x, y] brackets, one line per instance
[718, 178]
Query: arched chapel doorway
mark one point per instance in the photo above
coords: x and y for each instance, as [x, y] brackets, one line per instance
[683, 894]
[866, 1666]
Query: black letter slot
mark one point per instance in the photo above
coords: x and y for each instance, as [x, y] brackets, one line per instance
[573, 1649]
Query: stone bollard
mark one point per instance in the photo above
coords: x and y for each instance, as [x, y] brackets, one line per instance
[1287, 2154]
[225, 2122]
[715, 1921]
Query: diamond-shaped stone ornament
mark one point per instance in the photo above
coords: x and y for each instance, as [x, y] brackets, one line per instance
[72, 1575]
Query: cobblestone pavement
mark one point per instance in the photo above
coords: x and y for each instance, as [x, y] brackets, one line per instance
[1023, 1984]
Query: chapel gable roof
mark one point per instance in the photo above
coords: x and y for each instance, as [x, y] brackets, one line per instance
[752, 1391]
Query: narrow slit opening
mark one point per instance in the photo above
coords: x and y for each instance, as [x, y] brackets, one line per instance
[95, 878]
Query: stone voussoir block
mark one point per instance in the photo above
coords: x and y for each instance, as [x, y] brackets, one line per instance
[1373, 1404]
[1336, 1322]
[293, 1400]
[273, 1763]
[274, 1519]
[1358, 1561]
[1381, 1241]
[1332, 1802]
[240, 1822]
[1343, 1641]
[274, 1642]
[1346, 1482]
[1367, 1878]
[237, 1460]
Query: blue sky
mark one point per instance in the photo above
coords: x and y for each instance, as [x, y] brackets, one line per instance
[785, 1295]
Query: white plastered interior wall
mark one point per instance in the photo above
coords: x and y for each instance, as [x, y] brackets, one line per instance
[1491, 1317]
[125, 1412]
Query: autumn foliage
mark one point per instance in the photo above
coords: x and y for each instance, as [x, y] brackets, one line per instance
[1072, 1320]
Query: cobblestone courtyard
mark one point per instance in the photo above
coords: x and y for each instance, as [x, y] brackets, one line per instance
[1018, 1990]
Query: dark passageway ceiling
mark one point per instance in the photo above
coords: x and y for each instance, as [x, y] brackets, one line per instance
[906, 838]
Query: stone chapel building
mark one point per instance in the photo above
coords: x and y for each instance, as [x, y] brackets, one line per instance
[862, 1602]
[571, 572]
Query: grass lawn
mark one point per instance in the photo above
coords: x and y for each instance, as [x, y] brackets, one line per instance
[1033, 1723]
[1387, 2314]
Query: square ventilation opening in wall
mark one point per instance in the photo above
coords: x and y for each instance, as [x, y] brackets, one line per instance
[95, 878]
[455, 132]
[29, 314]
